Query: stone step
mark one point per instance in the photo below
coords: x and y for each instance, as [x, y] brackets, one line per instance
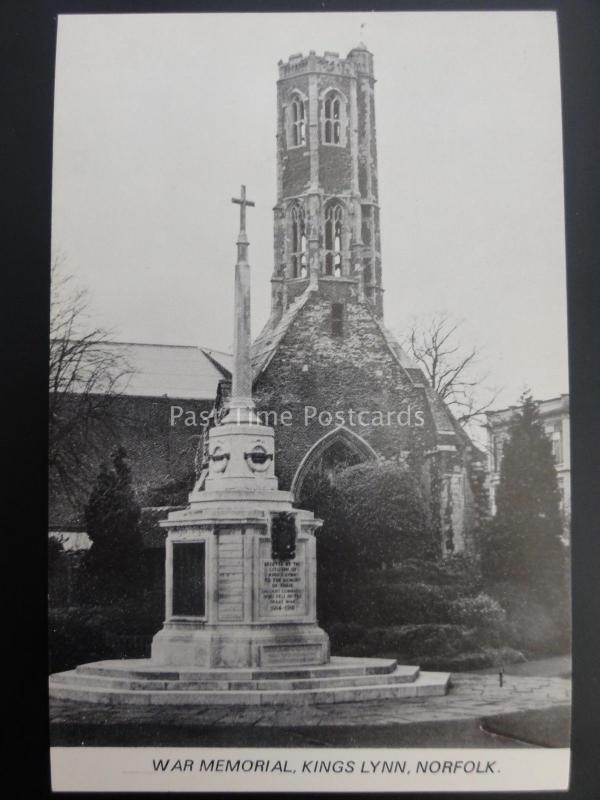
[146, 670]
[426, 684]
[402, 674]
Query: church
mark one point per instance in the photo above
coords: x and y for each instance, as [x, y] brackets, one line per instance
[326, 370]
[328, 375]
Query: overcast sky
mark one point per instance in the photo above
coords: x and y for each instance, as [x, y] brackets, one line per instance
[160, 118]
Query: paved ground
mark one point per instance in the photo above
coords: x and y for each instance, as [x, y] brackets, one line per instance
[461, 718]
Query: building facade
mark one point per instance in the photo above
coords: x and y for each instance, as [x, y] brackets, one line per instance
[554, 415]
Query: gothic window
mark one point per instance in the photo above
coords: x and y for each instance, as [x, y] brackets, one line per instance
[334, 217]
[332, 118]
[298, 242]
[297, 122]
[337, 319]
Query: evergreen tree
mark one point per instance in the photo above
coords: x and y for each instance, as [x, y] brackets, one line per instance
[112, 517]
[523, 545]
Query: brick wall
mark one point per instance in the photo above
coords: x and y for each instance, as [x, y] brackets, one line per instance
[158, 452]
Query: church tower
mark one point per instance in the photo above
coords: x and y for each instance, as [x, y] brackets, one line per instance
[326, 230]
[326, 372]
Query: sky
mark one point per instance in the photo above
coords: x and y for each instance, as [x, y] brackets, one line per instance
[160, 118]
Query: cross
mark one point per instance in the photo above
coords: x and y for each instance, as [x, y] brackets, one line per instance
[242, 202]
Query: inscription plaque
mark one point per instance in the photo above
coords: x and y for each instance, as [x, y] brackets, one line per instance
[230, 578]
[282, 586]
[188, 579]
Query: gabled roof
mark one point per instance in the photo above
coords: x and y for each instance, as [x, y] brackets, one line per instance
[156, 370]
[267, 342]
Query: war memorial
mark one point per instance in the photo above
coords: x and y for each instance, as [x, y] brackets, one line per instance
[240, 608]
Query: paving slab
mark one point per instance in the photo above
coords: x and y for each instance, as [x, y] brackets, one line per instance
[470, 697]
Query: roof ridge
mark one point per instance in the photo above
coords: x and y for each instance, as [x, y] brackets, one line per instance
[277, 331]
[223, 370]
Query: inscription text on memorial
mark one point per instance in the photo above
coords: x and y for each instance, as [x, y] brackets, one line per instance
[282, 586]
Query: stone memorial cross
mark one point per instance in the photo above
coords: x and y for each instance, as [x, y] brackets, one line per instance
[241, 405]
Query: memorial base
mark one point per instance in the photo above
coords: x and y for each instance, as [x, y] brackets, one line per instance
[221, 646]
[342, 680]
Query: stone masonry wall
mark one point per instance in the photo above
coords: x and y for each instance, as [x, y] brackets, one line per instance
[312, 367]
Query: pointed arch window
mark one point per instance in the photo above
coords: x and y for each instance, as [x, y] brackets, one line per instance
[297, 122]
[334, 225]
[298, 260]
[333, 122]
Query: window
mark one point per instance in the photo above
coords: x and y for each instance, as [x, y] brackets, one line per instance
[337, 319]
[298, 242]
[557, 448]
[297, 126]
[332, 122]
[334, 216]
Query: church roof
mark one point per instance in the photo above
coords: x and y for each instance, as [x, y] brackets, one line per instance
[184, 372]
[265, 345]
[267, 342]
[158, 370]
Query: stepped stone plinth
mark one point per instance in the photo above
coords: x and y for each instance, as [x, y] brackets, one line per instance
[341, 680]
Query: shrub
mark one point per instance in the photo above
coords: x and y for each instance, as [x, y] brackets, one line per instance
[79, 634]
[75, 637]
[395, 603]
[482, 613]
[342, 635]
[538, 630]
[405, 642]
[442, 647]
[478, 659]
[112, 516]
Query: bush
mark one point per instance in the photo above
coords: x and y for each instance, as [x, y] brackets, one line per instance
[539, 629]
[75, 636]
[394, 603]
[479, 659]
[404, 642]
[430, 646]
[80, 634]
[374, 514]
[484, 614]
[342, 635]
[458, 571]
[112, 516]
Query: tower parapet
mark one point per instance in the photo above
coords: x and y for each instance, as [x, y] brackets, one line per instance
[326, 232]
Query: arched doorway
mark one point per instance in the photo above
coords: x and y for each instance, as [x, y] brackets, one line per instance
[337, 449]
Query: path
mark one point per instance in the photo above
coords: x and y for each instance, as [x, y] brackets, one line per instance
[472, 697]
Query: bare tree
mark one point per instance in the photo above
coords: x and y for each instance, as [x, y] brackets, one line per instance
[451, 369]
[86, 374]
